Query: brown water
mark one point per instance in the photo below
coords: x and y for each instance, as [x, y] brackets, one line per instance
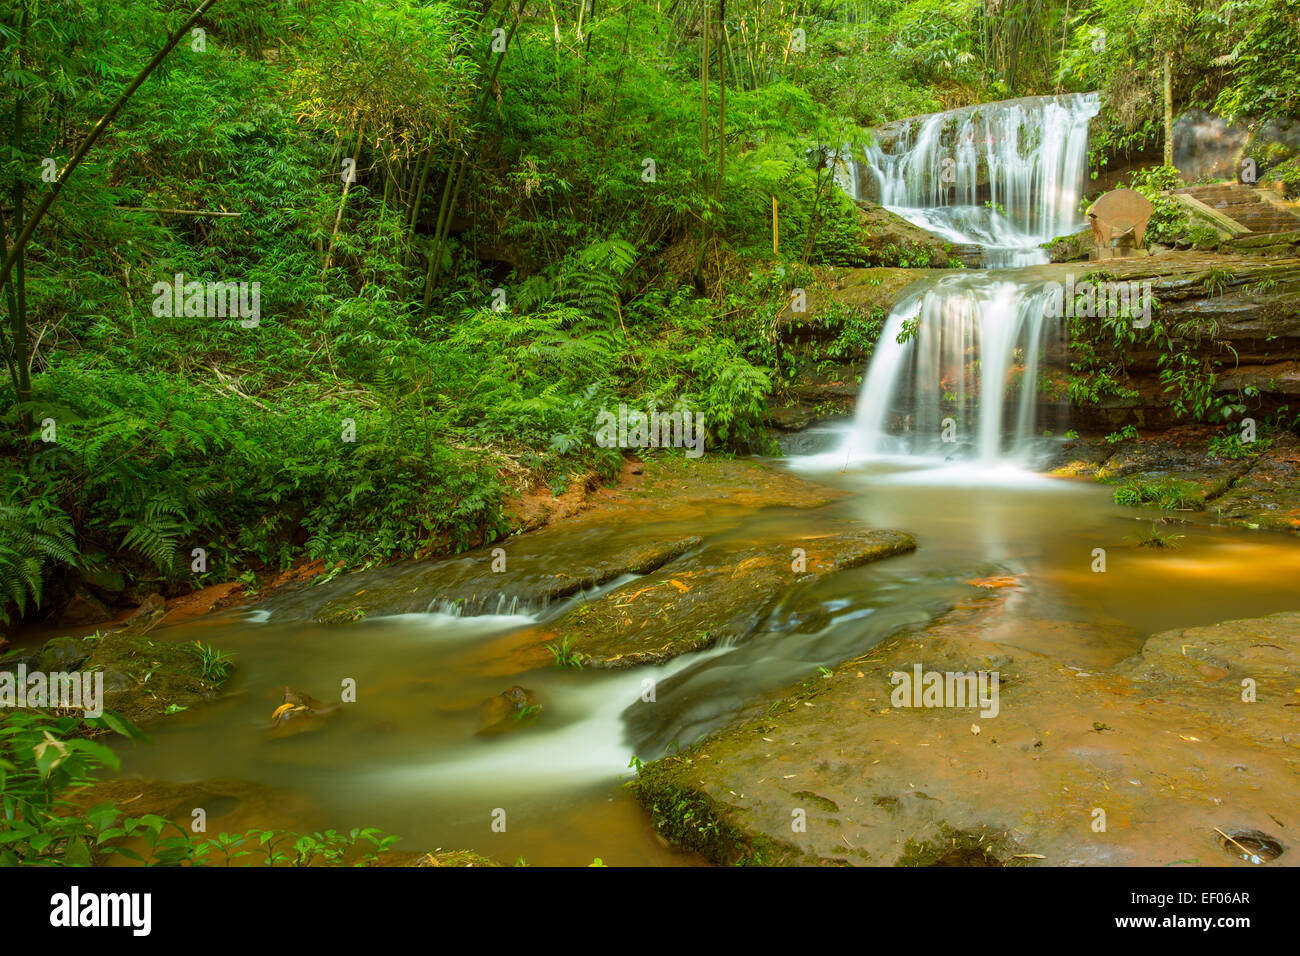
[407, 757]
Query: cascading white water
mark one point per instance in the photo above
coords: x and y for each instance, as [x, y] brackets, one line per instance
[965, 381]
[1003, 176]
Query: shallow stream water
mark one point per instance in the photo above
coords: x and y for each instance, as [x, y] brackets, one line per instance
[407, 756]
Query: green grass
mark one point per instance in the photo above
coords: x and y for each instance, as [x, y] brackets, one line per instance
[564, 653]
[1170, 494]
[215, 664]
[1158, 539]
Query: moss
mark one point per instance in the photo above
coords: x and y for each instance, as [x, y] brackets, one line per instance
[688, 819]
[954, 847]
[162, 675]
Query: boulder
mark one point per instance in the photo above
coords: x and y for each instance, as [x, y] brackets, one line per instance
[63, 654]
[509, 710]
[83, 609]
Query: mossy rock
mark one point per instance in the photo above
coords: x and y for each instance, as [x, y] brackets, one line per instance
[162, 677]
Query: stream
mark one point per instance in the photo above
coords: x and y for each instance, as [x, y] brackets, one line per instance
[408, 756]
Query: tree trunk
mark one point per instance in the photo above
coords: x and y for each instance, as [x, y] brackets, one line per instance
[25, 232]
[1169, 107]
[21, 365]
[722, 99]
[455, 176]
[343, 201]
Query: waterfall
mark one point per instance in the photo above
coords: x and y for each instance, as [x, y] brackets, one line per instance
[966, 380]
[1003, 176]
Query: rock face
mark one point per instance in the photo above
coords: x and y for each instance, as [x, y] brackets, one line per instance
[1142, 764]
[721, 594]
[84, 608]
[1178, 470]
[525, 583]
[892, 241]
[1238, 312]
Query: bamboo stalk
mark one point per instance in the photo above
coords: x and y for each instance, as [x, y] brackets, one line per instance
[98, 130]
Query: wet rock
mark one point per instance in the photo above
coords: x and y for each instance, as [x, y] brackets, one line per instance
[149, 613]
[891, 240]
[527, 582]
[63, 654]
[106, 581]
[116, 682]
[82, 609]
[1073, 248]
[230, 805]
[174, 676]
[1079, 456]
[1266, 649]
[1172, 473]
[298, 713]
[791, 418]
[509, 710]
[340, 615]
[1182, 757]
[723, 593]
[29, 661]
[1267, 495]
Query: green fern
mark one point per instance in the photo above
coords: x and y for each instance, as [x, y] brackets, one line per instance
[30, 537]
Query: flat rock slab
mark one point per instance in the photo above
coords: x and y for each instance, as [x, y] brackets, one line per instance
[722, 593]
[1141, 764]
[528, 581]
[1260, 491]
[1267, 496]
[1264, 649]
[630, 529]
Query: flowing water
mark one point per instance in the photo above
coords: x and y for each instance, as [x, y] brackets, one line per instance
[409, 756]
[956, 373]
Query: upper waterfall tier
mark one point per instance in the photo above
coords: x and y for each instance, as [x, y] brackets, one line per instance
[1006, 176]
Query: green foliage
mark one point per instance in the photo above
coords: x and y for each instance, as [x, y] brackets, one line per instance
[1170, 494]
[44, 758]
[215, 664]
[1155, 538]
[1264, 61]
[1169, 222]
[565, 654]
[1229, 445]
[33, 534]
[191, 431]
